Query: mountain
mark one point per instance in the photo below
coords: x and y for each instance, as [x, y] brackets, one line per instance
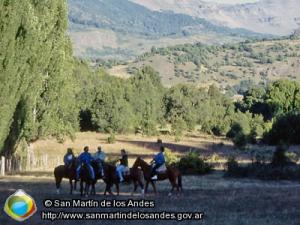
[124, 29]
[277, 17]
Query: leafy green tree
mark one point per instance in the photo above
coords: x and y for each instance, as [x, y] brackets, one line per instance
[111, 111]
[285, 129]
[37, 96]
[283, 96]
[146, 97]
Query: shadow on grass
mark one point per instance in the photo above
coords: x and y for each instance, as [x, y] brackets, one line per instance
[222, 150]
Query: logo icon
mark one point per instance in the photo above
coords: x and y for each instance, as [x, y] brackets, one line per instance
[20, 206]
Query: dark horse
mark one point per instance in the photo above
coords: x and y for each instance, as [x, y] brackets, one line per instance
[61, 172]
[135, 175]
[172, 173]
[86, 181]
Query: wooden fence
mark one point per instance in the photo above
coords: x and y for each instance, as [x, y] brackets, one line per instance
[14, 164]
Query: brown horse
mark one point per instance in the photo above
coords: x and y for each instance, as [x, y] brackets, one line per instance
[61, 172]
[172, 173]
[135, 175]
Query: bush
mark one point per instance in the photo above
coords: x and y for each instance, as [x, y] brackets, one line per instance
[286, 128]
[240, 140]
[171, 157]
[235, 129]
[232, 165]
[265, 171]
[111, 139]
[280, 157]
[193, 164]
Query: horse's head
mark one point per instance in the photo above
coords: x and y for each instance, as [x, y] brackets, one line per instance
[137, 162]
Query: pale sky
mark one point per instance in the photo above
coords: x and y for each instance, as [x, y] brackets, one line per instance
[232, 1]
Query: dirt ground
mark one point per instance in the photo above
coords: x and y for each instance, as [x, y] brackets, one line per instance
[224, 201]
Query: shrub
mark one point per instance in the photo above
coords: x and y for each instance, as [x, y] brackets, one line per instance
[240, 140]
[232, 165]
[193, 164]
[280, 158]
[266, 171]
[171, 157]
[111, 139]
[286, 128]
[235, 129]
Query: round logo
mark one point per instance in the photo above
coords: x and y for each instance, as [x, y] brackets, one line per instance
[20, 206]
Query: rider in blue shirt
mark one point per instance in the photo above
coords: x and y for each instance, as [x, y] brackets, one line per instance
[158, 160]
[85, 158]
[69, 157]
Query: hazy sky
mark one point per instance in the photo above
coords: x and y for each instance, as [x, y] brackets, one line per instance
[232, 1]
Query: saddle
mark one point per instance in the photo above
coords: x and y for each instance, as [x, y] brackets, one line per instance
[161, 169]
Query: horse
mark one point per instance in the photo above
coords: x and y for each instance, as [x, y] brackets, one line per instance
[110, 178]
[61, 172]
[135, 175]
[172, 173]
[85, 178]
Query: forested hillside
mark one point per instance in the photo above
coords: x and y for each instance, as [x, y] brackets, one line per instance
[141, 104]
[223, 65]
[37, 94]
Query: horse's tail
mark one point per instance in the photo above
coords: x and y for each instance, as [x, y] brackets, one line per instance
[180, 181]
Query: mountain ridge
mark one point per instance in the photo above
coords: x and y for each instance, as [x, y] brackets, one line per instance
[275, 17]
[121, 28]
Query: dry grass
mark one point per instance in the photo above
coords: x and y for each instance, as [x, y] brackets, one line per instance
[136, 145]
[215, 149]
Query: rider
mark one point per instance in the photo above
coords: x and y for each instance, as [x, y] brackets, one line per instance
[69, 157]
[85, 158]
[99, 157]
[123, 165]
[158, 161]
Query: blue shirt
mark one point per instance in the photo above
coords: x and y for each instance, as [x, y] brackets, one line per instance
[159, 158]
[68, 159]
[85, 158]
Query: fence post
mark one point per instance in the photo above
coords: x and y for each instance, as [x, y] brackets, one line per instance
[2, 169]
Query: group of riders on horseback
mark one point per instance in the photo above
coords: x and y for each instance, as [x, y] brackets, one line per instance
[85, 158]
[88, 168]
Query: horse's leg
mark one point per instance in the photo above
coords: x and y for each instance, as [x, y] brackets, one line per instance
[81, 187]
[142, 187]
[87, 188]
[75, 185]
[94, 188]
[105, 190]
[58, 182]
[135, 187]
[153, 186]
[109, 189]
[146, 187]
[118, 188]
[173, 185]
[71, 186]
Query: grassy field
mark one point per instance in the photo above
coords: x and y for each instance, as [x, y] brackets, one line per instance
[135, 145]
[215, 149]
[224, 201]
